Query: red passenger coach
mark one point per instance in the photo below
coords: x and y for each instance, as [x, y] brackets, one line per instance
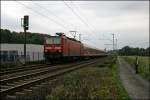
[71, 47]
[89, 51]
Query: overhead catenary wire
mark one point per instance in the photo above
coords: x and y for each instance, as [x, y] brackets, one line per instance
[54, 15]
[60, 19]
[50, 12]
[91, 24]
[77, 15]
[50, 19]
[84, 20]
[47, 17]
[106, 38]
[81, 13]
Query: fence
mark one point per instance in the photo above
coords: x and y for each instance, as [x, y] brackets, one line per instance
[11, 56]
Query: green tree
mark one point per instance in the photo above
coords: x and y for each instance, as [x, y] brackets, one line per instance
[18, 38]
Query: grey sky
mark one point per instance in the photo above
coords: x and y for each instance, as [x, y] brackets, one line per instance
[128, 20]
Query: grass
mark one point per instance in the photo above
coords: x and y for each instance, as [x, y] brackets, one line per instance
[144, 68]
[99, 82]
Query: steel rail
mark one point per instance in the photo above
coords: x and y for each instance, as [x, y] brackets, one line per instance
[36, 72]
[20, 68]
[43, 78]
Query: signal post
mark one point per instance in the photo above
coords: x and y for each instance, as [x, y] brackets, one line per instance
[26, 27]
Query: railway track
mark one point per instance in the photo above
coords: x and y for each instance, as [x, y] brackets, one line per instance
[23, 68]
[15, 82]
[20, 68]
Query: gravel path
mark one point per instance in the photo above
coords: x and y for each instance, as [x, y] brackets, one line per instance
[135, 85]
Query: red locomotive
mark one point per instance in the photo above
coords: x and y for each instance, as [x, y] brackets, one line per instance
[60, 47]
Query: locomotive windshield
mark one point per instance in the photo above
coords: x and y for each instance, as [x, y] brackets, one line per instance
[53, 40]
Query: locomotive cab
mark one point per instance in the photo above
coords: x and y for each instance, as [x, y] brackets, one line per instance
[53, 47]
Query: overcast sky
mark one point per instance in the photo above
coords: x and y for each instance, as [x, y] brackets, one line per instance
[95, 20]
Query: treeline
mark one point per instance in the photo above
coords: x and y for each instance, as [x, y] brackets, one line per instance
[127, 51]
[18, 37]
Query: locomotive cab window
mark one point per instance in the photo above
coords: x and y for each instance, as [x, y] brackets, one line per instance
[53, 40]
[56, 40]
[49, 41]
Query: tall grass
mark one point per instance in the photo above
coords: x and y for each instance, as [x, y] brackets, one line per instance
[90, 83]
[144, 65]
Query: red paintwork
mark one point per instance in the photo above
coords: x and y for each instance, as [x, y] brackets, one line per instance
[71, 47]
[52, 48]
[88, 51]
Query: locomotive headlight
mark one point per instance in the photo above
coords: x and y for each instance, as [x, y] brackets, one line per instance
[59, 50]
[45, 50]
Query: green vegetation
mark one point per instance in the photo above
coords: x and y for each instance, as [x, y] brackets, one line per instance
[129, 51]
[99, 82]
[144, 68]
[18, 37]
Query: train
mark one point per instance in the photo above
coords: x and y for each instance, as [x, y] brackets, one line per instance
[63, 48]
